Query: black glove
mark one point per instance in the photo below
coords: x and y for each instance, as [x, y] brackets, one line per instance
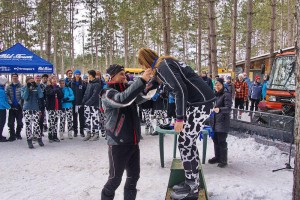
[34, 84]
[66, 99]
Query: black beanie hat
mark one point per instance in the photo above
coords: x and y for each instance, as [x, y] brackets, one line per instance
[114, 69]
[220, 80]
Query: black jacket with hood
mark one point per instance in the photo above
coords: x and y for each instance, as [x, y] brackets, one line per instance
[187, 86]
[91, 96]
[220, 122]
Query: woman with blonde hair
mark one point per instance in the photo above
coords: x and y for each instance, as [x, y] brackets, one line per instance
[194, 103]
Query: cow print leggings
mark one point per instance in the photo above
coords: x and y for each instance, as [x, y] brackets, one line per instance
[66, 113]
[195, 117]
[32, 122]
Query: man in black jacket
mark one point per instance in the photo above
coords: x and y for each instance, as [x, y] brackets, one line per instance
[123, 131]
[78, 87]
[90, 101]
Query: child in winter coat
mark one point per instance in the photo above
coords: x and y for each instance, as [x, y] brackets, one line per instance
[67, 111]
[3, 106]
[255, 93]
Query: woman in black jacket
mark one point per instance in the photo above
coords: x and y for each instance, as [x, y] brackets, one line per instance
[220, 122]
[194, 102]
[54, 96]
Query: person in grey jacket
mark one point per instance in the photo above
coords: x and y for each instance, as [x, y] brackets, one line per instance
[123, 131]
[31, 93]
[13, 92]
[90, 101]
[220, 122]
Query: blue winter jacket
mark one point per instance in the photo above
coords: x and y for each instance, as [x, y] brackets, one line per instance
[247, 80]
[31, 97]
[68, 97]
[256, 91]
[3, 99]
[264, 90]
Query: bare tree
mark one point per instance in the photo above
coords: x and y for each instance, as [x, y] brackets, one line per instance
[49, 20]
[296, 186]
[290, 39]
[233, 35]
[249, 36]
[166, 18]
[199, 37]
[212, 35]
[272, 36]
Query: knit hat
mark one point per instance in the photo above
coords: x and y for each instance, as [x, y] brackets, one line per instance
[257, 77]
[28, 78]
[77, 71]
[37, 76]
[85, 76]
[228, 78]
[220, 80]
[69, 70]
[62, 80]
[3, 80]
[114, 69]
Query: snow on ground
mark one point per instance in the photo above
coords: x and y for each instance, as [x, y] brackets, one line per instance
[73, 169]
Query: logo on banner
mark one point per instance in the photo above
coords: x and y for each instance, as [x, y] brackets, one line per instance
[45, 69]
[23, 69]
[4, 69]
[16, 56]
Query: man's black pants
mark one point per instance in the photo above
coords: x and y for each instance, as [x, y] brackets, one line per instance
[80, 113]
[15, 114]
[122, 157]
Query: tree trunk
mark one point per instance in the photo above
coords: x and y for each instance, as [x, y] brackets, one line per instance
[199, 37]
[272, 42]
[49, 24]
[249, 36]
[72, 32]
[290, 24]
[166, 25]
[296, 185]
[126, 44]
[213, 39]
[233, 36]
[55, 50]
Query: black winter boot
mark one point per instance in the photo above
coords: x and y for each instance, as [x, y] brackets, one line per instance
[82, 133]
[40, 141]
[18, 133]
[105, 196]
[12, 134]
[215, 159]
[75, 132]
[223, 158]
[30, 145]
[55, 138]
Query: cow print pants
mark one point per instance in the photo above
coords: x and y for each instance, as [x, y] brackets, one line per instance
[91, 116]
[195, 118]
[32, 123]
[66, 113]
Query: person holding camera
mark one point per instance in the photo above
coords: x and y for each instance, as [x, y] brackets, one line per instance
[31, 93]
[66, 112]
[13, 92]
[54, 105]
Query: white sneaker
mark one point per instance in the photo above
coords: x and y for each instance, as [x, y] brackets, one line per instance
[70, 135]
[95, 137]
[61, 135]
[147, 132]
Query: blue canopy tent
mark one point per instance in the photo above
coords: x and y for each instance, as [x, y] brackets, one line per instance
[19, 59]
